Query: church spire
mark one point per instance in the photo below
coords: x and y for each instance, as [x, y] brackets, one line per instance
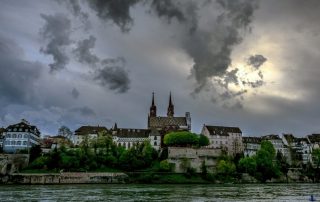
[153, 108]
[170, 107]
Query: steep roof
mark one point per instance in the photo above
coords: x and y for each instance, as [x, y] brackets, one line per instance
[85, 130]
[131, 133]
[256, 140]
[25, 126]
[314, 138]
[290, 138]
[222, 130]
[160, 122]
[271, 137]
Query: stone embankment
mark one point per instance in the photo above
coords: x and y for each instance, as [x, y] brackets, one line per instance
[65, 178]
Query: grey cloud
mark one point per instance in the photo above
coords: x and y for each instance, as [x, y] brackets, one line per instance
[113, 75]
[84, 111]
[118, 11]
[256, 60]
[75, 93]
[18, 76]
[83, 51]
[211, 48]
[56, 32]
[168, 9]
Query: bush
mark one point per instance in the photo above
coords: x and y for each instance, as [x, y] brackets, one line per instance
[183, 138]
[203, 141]
[165, 166]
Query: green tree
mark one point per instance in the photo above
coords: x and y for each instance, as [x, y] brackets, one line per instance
[203, 140]
[183, 138]
[248, 165]
[316, 157]
[226, 168]
[164, 166]
[35, 152]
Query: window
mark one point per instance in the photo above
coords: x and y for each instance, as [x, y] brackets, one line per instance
[13, 142]
[18, 142]
[20, 129]
[14, 136]
[14, 129]
[155, 137]
[24, 142]
[155, 144]
[25, 136]
[19, 136]
[8, 136]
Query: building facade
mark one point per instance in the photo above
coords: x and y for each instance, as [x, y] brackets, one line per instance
[169, 123]
[2, 130]
[251, 145]
[20, 136]
[90, 132]
[300, 148]
[228, 139]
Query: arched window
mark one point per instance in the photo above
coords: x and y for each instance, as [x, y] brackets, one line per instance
[129, 145]
[19, 136]
[18, 142]
[14, 136]
[155, 137]
[8, 136]
[155, 144]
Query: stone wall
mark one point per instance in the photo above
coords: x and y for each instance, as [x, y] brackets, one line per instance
[181, 156]
[10, 163]
[65, 178]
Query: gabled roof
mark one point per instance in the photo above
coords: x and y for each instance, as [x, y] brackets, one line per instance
[2, 130]
[256, 140]
[25, 126]
[222, 130]
[289, 137]
[131, 133]
[85, 130]
[161, 122]
[271, 137]
[314, 138]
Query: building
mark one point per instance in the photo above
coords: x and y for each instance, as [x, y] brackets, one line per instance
[279, 146]
[300, 147]
[251, 145]
[2, 130]
[20, 136]
[129, 137]
[314, 140]
[89, 132]
[169, 123]
[225, 138]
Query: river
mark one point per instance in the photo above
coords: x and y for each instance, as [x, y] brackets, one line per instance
[137, 192]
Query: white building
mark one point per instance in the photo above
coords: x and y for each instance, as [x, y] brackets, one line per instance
[279, 146]
[2, 130]
[251, 145]
[20, 136]
[90, 132]
[129, 137]
[225, 138]
[300, 147]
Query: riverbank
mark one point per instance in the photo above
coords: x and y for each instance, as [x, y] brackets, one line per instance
[65, 178]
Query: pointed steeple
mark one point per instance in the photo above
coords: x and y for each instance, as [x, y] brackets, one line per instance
[115, 127]
[153, 108]
[170, 107]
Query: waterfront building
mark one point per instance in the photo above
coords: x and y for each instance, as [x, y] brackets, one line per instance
[251, 145]
[90, 132]
[2, 130]
[314, 140]
[20, 136]
[228, 139]
[279, 146]
[129, 137]
[300, 147]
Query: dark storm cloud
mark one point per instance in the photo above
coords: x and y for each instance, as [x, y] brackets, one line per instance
[256, 60]
[118, 11]
[56, 32]
[113, 75]
[75, 93]
[83, 51]
[18, 76]
[211, 48]
[168, 9]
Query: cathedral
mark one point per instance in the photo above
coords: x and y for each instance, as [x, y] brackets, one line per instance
[169, 123]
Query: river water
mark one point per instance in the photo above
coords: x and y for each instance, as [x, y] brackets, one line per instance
[136, 192]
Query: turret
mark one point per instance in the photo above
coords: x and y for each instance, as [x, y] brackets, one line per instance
[170, 112]
[153, 108]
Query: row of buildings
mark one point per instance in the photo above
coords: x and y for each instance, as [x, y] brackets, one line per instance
[229, 139]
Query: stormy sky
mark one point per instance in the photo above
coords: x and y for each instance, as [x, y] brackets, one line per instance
[246, 63]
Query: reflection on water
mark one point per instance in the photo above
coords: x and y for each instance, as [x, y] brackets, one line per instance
[130, 192]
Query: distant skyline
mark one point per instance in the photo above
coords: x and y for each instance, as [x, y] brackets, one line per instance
[251, 64]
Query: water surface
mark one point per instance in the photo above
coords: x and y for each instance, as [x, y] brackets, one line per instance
[131, 192]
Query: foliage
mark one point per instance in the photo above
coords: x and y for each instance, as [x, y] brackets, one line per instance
[316, 157]
[165, 166]
[35, 152]
[248, 165]
[226, 168]
[203, 140]
[182, 138]
[204, 168]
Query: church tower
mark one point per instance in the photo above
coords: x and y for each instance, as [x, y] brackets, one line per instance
[170, 112]
[153, 108]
